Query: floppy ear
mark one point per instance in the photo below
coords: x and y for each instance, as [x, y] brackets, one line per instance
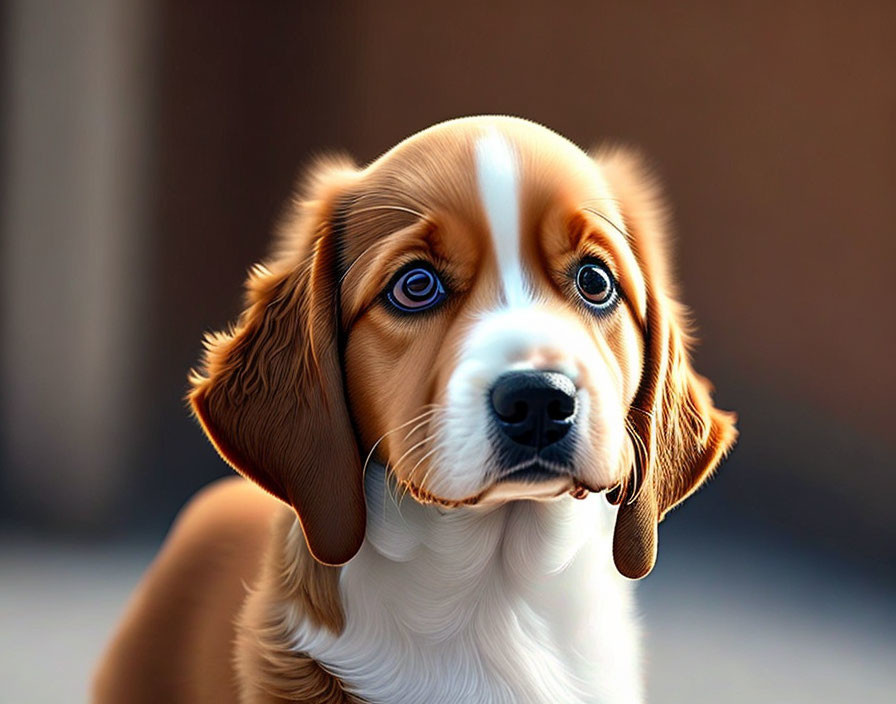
[678, 435]
[270, 394]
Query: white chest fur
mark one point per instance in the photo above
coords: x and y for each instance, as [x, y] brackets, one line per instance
[519, 603]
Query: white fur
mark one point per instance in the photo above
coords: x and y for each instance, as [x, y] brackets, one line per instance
[520, 335]
[516, 339]
[518, 603]
[498, 178]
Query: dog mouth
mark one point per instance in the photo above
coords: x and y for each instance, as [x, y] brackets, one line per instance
[536, 469]
[535, 478]
[537, 472]
[542, 474]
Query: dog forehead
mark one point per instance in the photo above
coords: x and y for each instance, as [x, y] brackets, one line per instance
[443, 163]
[494, 178]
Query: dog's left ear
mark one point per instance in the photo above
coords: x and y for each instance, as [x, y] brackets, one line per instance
[678, 435]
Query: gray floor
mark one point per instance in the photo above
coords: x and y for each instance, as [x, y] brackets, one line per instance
[724, 623]
[749, 623]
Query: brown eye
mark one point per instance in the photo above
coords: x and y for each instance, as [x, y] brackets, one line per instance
[416, 289]
[596, 285]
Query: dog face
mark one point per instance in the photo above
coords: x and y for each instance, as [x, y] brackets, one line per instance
[486, 310]
[494, 344]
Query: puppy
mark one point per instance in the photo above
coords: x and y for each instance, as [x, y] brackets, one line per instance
[464, 376]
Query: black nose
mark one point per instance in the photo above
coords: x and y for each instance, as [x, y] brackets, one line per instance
[534, 409]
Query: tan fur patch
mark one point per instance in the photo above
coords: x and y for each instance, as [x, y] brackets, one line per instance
[293, 585]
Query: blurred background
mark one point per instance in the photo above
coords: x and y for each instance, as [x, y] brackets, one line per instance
[147, 148]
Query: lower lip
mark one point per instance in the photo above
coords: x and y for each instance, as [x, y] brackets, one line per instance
[533, 473]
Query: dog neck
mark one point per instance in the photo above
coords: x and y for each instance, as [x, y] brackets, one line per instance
[520, 542]
[511, 603]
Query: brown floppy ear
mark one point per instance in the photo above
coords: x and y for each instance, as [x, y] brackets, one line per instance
[678, 435]
[270, 394]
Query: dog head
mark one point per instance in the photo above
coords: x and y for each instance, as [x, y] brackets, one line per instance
[485, 309]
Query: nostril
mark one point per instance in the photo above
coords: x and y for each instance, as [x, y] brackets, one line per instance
[561, 408]
[516, 414]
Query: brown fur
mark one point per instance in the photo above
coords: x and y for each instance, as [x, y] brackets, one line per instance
[292, 584]
[271, 396]
[293, 398]
[190, 634]
[679, 435]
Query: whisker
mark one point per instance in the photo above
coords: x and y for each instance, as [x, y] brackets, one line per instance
[356, 260]
[392, 477]
[419, 425]
[411, 449]
[408, 483]
[398, 208]
[422, 482]
[608, 221]
[391, 491]
[373, 208]
[421, 461]
[432, 408]
[649, 414]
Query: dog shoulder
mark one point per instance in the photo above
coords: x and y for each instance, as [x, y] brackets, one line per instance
[292, 588]
[179, 626]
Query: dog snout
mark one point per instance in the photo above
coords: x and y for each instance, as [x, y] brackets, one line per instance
[534, 409]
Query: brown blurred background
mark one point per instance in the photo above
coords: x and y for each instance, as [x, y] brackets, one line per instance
[149, 148]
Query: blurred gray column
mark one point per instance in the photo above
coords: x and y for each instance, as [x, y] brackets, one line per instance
[77, 178]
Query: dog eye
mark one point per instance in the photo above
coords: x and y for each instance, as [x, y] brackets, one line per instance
[596, 284]
[416, 289]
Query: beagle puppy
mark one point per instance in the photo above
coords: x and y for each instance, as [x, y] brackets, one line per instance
[462, 385]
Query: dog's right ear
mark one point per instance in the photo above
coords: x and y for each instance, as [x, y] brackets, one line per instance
[270, 391]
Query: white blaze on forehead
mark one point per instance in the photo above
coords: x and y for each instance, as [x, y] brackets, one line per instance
[498, 177]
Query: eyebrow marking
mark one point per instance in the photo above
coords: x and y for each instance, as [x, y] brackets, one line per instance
[498, 178]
